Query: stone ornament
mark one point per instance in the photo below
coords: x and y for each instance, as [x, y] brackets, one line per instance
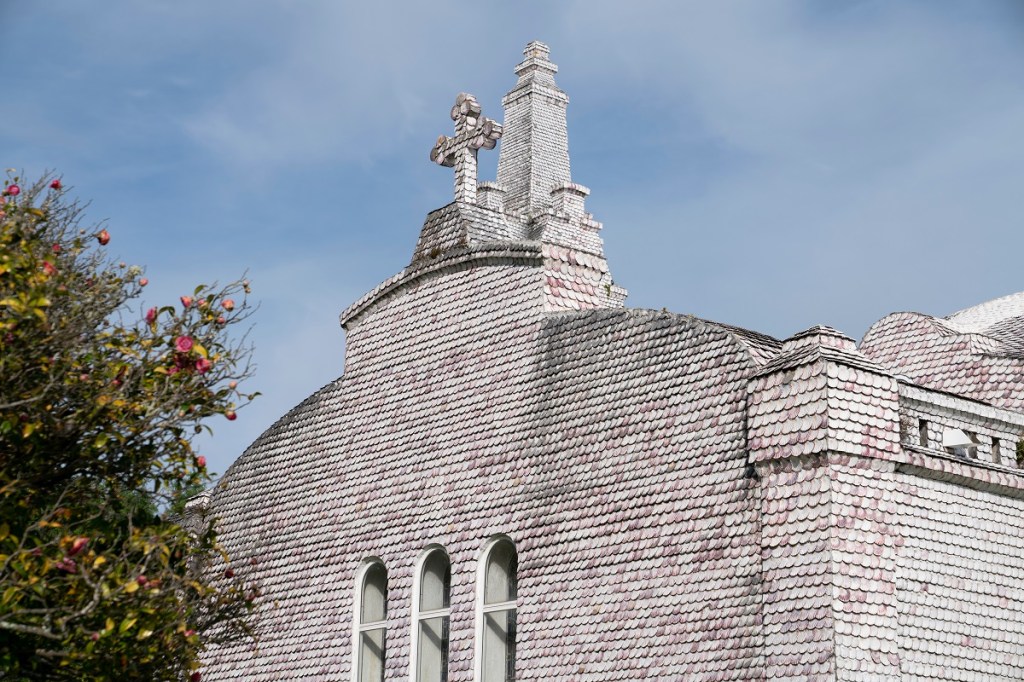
[472, 133]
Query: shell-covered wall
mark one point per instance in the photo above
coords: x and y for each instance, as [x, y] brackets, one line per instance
[960, 582]
[608, 445]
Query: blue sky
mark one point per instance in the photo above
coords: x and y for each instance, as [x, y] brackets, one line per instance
[768, 164]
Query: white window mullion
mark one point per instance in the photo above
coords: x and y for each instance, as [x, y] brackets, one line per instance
[431, 617]
[500, 606]
[425, 615]
[497, 590]
[369, 642]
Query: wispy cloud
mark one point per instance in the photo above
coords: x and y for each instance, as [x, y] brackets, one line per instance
[345, 84]
[768, 164]
[862, 140]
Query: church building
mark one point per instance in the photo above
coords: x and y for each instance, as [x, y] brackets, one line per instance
[520, 478]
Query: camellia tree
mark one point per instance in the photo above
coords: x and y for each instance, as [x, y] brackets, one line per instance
[102, 574]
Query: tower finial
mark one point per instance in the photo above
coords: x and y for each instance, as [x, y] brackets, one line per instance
[472, 132]
[535, 150]
[535, 48]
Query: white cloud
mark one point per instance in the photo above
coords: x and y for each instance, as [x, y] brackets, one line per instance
[768, 164]
[867, 145]
[345, 83]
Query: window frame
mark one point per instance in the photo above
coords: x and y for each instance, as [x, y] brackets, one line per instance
[416, 615]
[482, 609]
[358, 626]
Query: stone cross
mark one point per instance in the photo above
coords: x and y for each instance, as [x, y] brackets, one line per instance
[472, 132]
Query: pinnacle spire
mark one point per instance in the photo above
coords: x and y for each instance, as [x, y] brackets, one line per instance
[534, 158]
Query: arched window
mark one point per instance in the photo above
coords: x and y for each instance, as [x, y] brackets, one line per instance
[497, 617]
[432, 601]
[371, 623]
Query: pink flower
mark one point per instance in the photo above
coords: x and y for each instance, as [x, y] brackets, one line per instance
[186, 301]
[13, 190]
[201, 462]
[56, 184]
[183, 344]
[142, 580]
[151, 316]
[103, 237]
[221, 319]
[78, 545]
[203, 365]
[48, 268]
[66, 565]
[171, 371]
[232, 385]
[230, 414]
[228, 304]
[143, 282]
[56, 248]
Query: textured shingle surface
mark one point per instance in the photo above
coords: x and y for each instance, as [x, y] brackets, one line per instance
[535, 150]
[819, 424]
[984, 315]
[959, 580]
[689, 500]
[975, 353]
[583, 436]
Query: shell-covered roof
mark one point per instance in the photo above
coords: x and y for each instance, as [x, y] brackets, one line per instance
[977, 352]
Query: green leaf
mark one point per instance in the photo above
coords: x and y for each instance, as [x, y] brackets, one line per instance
[126, 624]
